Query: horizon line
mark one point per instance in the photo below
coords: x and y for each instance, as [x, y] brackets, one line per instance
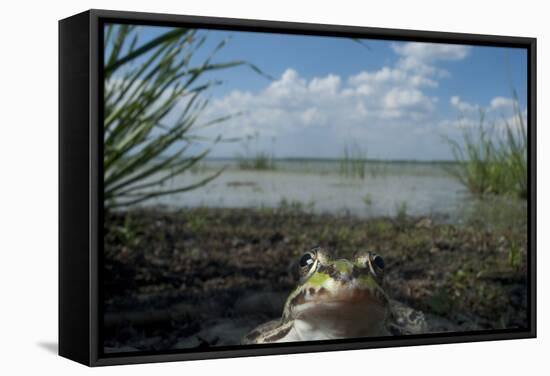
[327, 159]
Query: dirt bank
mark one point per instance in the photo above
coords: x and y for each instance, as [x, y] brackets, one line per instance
[203, 277]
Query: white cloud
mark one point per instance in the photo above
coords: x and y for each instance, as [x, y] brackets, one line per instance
[453, 126]
[502, 103]
[462, 106]
[292, 103]
[499, 115]
[430, 52]
[407, 98]
[327, 85]
[497, 106]
[421, 57]
[315, 117]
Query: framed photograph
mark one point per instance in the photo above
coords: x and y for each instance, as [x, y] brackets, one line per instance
[236, 187]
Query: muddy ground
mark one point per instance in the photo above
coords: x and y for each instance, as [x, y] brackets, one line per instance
[204, 277]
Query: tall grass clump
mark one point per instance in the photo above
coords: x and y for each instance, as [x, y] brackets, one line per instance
[353, 161]
[257, 160]
[153, 101]
[491, 159]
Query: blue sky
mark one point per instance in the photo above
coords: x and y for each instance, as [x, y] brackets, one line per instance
[395, 100]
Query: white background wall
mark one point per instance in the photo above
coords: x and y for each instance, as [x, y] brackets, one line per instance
[28, 198]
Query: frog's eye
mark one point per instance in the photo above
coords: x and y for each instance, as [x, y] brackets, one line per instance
[307, 260]
[376, 264]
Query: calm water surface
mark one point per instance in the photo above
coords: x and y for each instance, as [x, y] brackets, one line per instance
[421, 188]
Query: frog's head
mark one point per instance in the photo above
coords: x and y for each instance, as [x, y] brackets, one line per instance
[339, 292]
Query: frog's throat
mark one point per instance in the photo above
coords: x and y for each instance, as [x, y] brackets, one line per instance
[363, 296]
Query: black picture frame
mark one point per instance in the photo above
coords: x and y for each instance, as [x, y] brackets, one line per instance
[80, 184]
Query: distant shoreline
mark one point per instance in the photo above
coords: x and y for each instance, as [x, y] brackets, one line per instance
[334, 160]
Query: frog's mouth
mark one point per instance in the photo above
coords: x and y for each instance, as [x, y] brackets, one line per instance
[348, 297]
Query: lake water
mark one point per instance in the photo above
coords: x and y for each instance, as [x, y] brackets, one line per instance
[387, 187]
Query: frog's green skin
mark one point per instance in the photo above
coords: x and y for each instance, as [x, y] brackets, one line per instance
[335, 299]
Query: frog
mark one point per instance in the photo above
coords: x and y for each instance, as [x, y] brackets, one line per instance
[335, 298]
